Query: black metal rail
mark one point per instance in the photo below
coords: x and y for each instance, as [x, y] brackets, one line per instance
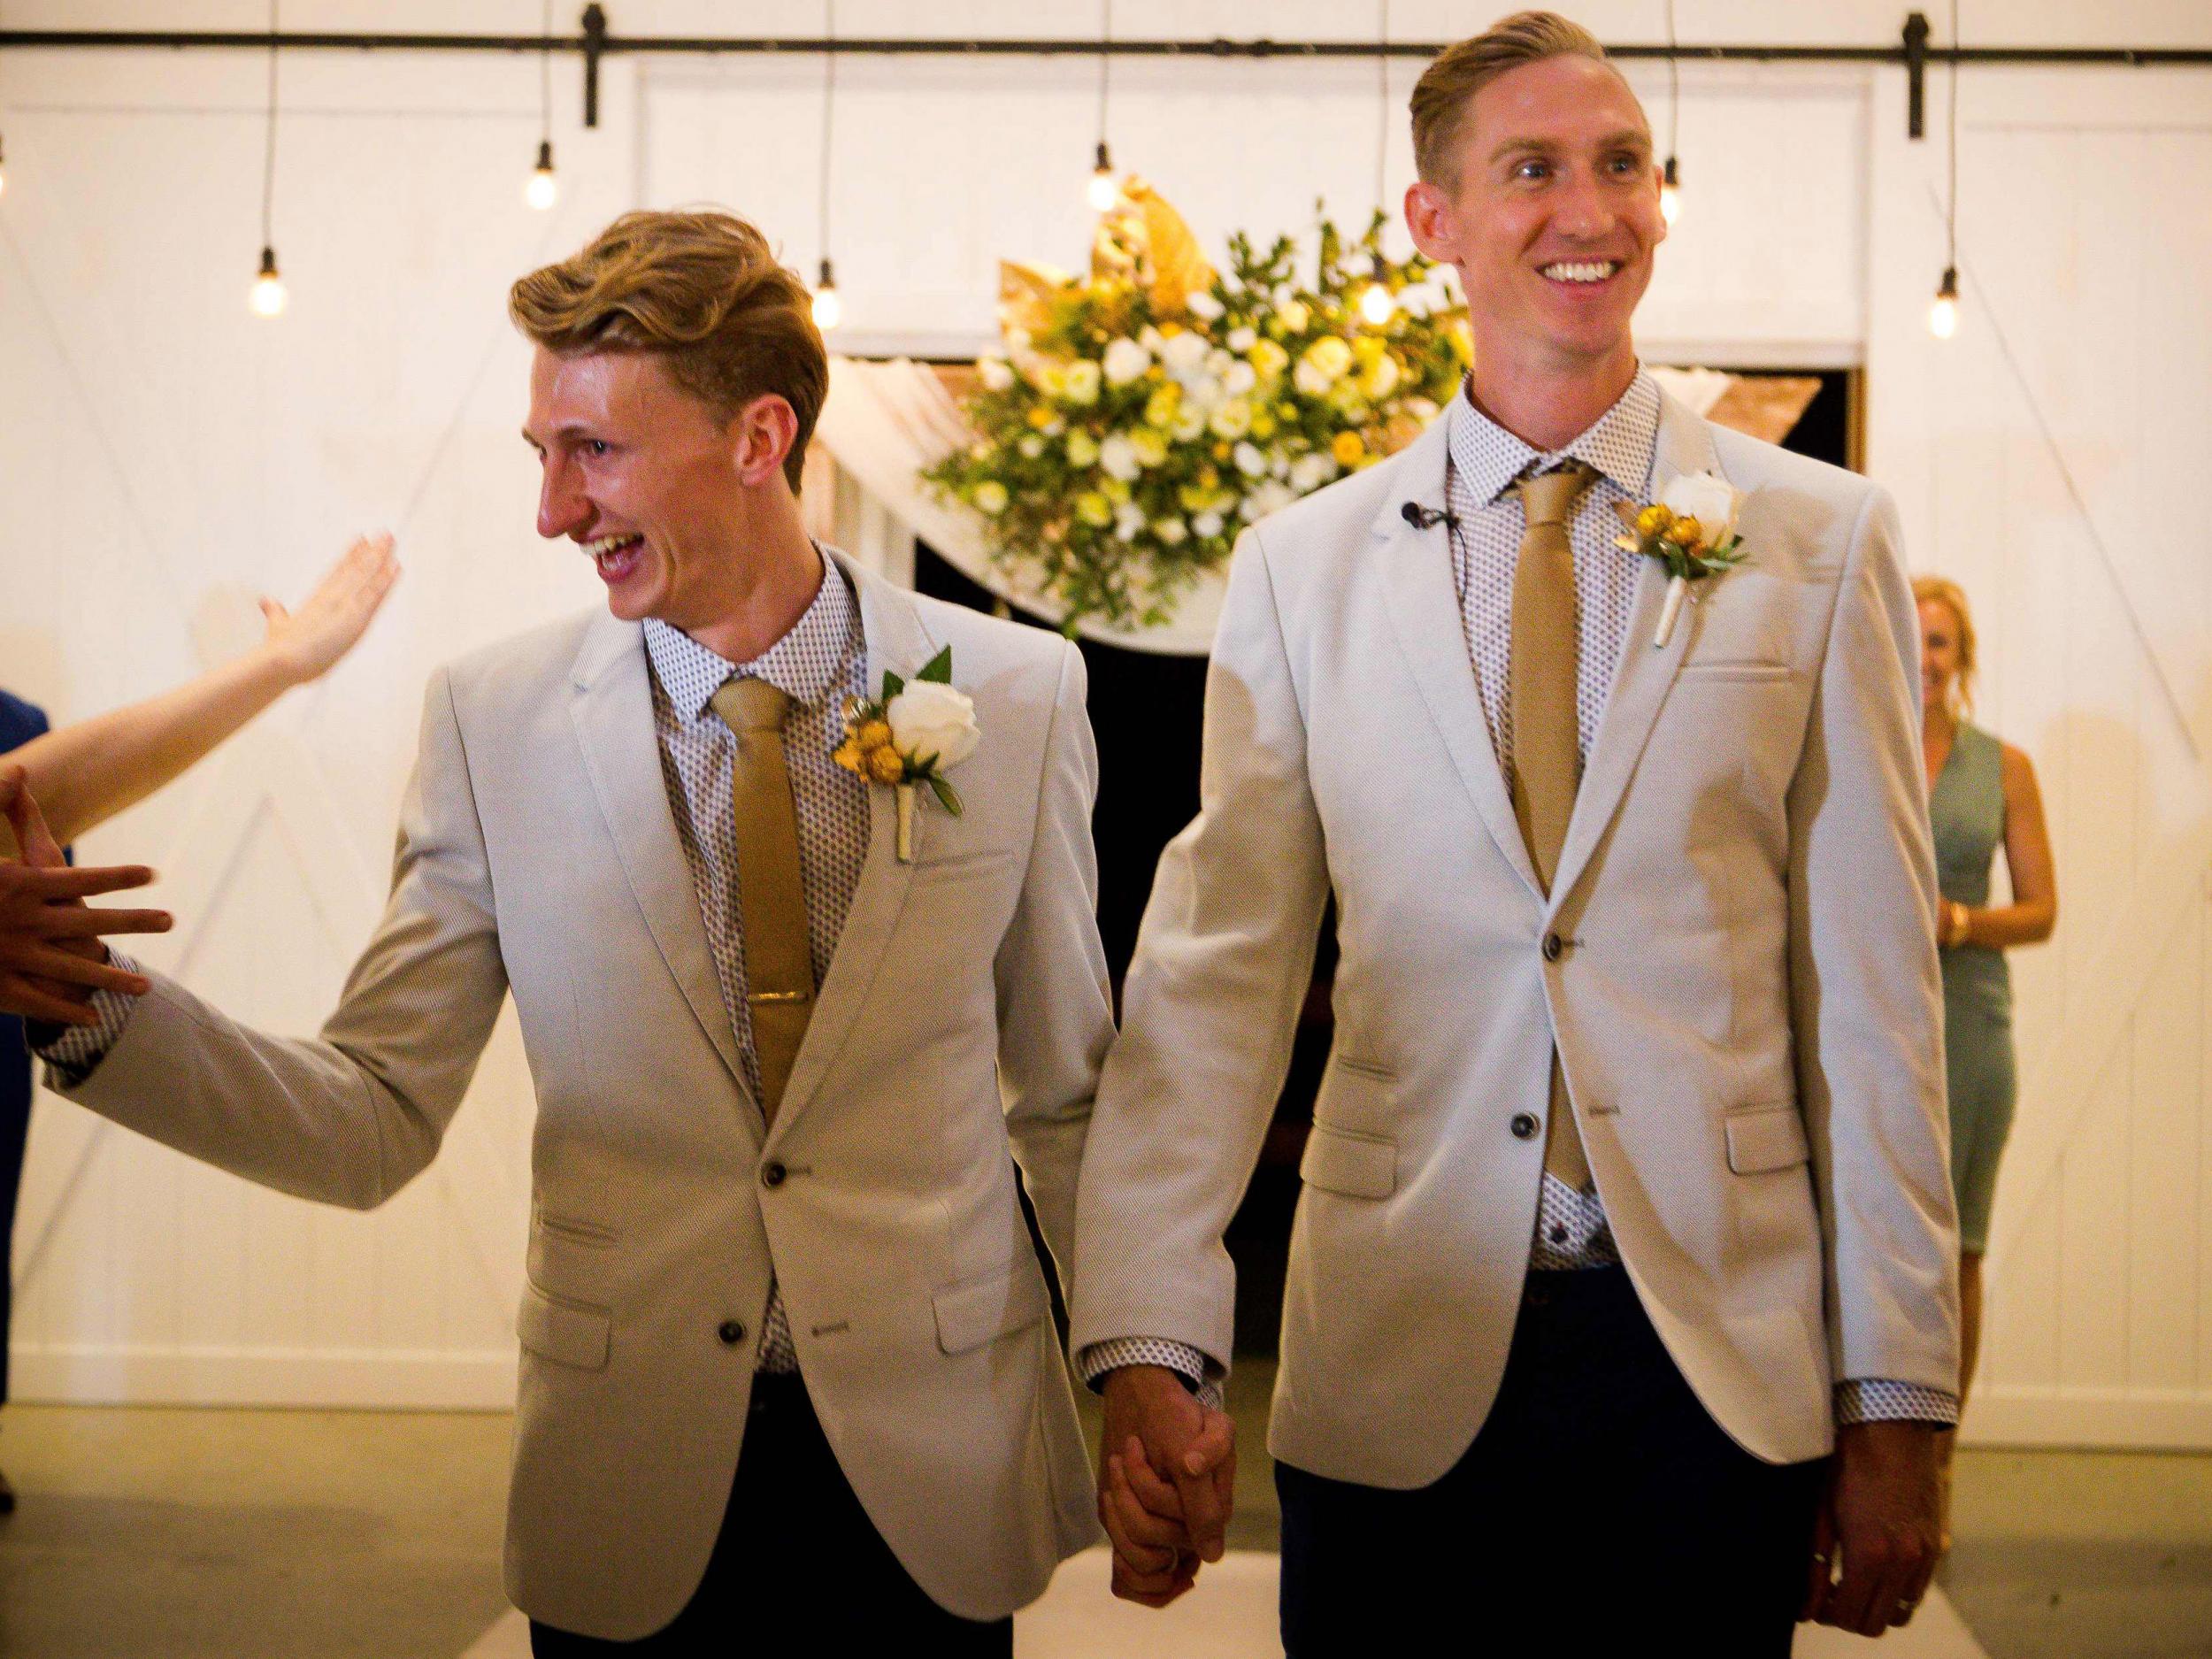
[594, 43]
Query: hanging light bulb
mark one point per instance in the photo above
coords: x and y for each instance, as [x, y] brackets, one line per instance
[268, 296]
[1943, 312]
[1104, 189]
[829, 311]
[1376, 304]
[1670, 191]
[544, 188]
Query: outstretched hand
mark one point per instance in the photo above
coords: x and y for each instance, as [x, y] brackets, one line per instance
[330, 619]
[1166, 1482]
[51, 959]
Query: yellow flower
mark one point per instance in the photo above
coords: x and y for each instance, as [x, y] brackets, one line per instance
[1653, 519]
[1159, 409]
[1348, 448]
[1367, 348]
[990, 497]
[1151, 447]
[1094, 510]
[848, 756]
[1192, 497]
[885, 765]
[1221, 450]
[1268, 357]
[873, 733]
[1329, 357]
[1685, 532]
[1231, 420]
[1263, 427]
[1040, 417]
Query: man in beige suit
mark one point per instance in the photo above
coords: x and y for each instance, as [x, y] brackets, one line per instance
[788, 1372]
[1620, 1294]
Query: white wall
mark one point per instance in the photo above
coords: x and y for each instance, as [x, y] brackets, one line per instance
[163, 455]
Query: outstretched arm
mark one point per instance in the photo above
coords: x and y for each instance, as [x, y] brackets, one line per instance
[87, 771]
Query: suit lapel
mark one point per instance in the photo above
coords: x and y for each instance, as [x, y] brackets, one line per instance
[1416, 570]
[1644, 674]
[897, 641]
[612, 708]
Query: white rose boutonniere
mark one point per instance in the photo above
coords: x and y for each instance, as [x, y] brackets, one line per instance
[914, 734]
[1691, 529]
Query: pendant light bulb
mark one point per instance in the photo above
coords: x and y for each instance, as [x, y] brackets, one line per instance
[1671, 192]
[829, 311]
[1104, 190]
[1376, 305]
[268, 296]
[1943, 313]
[544, 187]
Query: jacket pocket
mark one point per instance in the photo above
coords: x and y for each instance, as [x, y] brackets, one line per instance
[970, 1315]
[1764, 1139]
[565, 1333]
[1357, 1165]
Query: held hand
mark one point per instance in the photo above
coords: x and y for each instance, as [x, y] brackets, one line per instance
[1876, 1542]
[1167, 1481]
[51, 956]
[335, 616]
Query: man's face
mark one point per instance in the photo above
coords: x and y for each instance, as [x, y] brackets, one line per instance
[644, 477]
[1555, 214]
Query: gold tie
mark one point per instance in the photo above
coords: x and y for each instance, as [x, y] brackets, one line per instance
[1546, 735]
[771, 897]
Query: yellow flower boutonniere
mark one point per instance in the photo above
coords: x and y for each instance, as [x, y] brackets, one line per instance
[914, 734]
[1691, 529]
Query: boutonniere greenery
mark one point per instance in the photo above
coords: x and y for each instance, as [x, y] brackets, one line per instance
[1691, 529]
[913, 734]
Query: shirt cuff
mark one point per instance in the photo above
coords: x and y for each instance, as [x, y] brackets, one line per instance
[1878, 1399]
[73, 1052]
[1180, 1357]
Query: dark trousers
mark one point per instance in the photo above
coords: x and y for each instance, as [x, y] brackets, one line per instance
[1600, 1510]
[15, 1126]
[797, 1564]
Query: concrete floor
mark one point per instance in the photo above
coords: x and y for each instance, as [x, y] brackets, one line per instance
[162, 1533]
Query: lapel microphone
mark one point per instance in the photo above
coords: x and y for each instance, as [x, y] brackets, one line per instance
[1427, 517]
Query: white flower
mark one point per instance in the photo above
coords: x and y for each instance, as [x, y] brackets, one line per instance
[1218, 362]
[1707, 498]
[1117, 457]
[1242, 340]
[1206, 524]
[1231, 420]
[1078, 383]
[1280, 465]
[1269, 497]
[1017, 339]
[1171, 532]
[996, 373]
[1250, 461]
[990, 497]
[1190, 420]
[1128, 521]
[1310, 378]
[928, 718]
[1312, 470]
[1204, 306]
[1082, 448]
[1294, 316]
[1150, 338]
[1125, 360]
[1032, 447]
[1240, 379]
[1184, 356]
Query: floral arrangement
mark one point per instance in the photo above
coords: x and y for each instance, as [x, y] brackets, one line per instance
[1691, 530]
[1140, 418]
[914, 734]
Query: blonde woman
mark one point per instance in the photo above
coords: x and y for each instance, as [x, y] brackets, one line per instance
[1981, 794]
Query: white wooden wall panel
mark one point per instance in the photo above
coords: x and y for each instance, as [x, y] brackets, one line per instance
[164, 456]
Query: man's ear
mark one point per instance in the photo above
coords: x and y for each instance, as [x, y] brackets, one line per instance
[761, 436]
[1429, 217]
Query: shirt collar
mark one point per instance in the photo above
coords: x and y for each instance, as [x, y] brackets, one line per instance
[806, 664]
[1620, 445]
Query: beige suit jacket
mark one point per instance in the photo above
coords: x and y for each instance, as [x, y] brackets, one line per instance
[1743, 988]
[964, 1016]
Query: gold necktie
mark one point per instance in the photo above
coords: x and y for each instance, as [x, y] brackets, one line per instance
[771, 897]
[1545, 733]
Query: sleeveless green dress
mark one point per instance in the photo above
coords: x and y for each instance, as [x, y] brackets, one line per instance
[1967, 810]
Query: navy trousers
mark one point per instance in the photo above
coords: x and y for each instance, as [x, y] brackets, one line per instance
[1600, 1510]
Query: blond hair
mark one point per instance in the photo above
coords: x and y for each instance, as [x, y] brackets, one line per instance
[1943, 591]
[701, 290]
[1448, 86]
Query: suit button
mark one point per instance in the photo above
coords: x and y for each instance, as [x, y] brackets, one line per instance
[731, 1333]
[1554, 946]
[772, 1176]
[1524, 1125]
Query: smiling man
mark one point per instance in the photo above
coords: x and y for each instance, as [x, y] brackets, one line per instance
[1620, 1300]
[788, 1374]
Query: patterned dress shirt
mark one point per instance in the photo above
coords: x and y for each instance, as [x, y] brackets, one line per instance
[1485, 461]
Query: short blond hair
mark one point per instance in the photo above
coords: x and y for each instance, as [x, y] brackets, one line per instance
[1941, 590]
[701, 290]
[1448, 86]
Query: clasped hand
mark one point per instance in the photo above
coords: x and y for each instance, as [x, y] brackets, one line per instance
[1166, 1482]
[51, 959]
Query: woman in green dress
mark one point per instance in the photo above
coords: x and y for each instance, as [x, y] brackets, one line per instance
[1981, 796]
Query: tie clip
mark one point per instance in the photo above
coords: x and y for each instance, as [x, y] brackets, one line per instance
[778, 996]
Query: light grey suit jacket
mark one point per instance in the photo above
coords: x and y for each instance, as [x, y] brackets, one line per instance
[1744, 986]
[966, 1009]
